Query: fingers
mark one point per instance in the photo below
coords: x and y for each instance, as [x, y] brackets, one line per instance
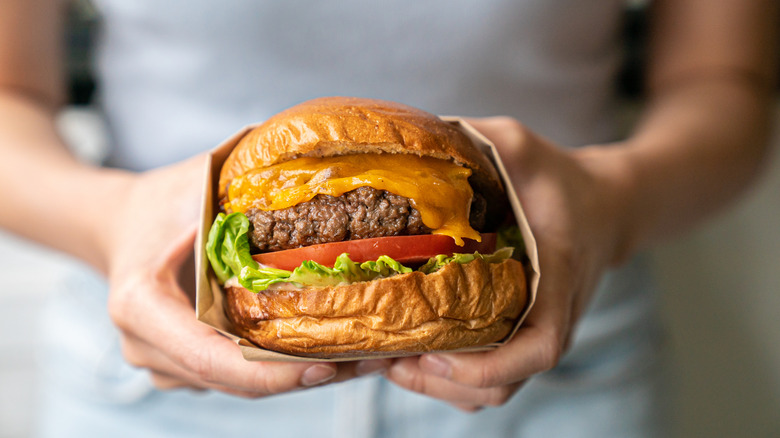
[207, 359]
[367, 367]
[168, 375]
[408, 373]
[536, 347]
[470, 380]
[166, 382]
[162, 334]
[532, 352]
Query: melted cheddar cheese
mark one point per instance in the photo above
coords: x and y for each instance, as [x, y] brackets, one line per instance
[438, 189]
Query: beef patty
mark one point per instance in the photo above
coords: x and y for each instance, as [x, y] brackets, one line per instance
[359, 214]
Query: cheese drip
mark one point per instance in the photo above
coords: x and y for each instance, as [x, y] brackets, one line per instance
[438, 189]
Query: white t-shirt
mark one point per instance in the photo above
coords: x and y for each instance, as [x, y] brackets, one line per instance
[177, 77]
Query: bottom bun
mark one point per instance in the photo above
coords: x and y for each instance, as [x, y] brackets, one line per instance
[458, 306]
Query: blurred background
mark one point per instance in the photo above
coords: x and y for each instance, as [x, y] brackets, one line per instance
[721, 283]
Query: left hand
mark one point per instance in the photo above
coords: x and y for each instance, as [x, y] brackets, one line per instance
[573, 201]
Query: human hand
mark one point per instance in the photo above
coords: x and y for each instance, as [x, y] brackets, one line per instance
[573, 201]
[150, 240]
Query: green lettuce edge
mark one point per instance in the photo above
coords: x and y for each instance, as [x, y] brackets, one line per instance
[228, 250]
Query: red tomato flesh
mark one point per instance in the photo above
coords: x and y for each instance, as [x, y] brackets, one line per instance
[407, 250]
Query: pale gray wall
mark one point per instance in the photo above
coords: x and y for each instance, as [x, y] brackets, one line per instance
[722, 303]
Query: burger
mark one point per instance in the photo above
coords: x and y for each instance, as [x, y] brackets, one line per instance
[358, 227]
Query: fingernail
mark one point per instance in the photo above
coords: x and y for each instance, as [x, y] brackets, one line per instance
[373, 366]
[317, 374]
[436, 365]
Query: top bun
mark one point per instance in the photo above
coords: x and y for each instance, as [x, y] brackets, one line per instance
[331, 126]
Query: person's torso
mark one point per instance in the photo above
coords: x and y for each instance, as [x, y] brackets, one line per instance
[176, 77]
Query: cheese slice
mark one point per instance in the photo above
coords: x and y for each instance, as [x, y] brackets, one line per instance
[438, 189]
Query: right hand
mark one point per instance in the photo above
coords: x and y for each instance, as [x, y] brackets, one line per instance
[150, 236]
[574, 202]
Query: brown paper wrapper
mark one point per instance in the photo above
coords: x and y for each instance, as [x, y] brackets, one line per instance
[209, 302]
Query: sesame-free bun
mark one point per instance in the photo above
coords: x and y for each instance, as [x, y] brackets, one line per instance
[331, 126]
[458, 306]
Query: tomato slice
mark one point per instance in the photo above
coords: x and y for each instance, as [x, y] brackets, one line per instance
[407, 250]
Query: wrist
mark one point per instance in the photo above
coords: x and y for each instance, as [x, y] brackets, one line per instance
[615, 176]
[110, 189]
[85, 198]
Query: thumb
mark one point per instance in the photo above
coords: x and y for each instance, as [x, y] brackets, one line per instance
[518, 146]
[179, 250]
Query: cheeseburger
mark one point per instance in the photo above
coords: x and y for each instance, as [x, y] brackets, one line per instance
[353, 227]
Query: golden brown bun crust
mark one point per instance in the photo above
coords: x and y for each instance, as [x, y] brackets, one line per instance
[331, 126]
[458, 306]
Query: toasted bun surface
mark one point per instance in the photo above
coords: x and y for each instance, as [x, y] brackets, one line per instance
[331, 126]
[458, 306]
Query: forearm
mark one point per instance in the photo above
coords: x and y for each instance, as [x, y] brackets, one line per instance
[698, 146]
[703, 136]
[49, 196]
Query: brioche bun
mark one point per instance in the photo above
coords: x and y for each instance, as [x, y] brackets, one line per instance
[331, 126]
[459, 306]
[456, 307]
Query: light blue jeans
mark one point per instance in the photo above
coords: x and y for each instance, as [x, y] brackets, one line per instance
[607, 385]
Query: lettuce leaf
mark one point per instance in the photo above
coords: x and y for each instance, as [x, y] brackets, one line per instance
[227, 248]
[511, 236]
[438, 262]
